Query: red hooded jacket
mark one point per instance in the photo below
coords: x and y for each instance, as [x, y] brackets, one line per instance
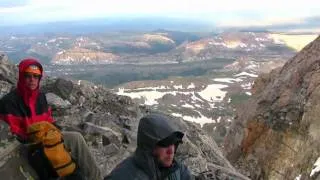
[22, 106]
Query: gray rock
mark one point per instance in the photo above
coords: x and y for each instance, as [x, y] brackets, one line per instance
[5, 88]
[110, 149]
[111, 136]
[57, 102]
[108, 135]
[82, 100]
[88, 116]
[4, 132]
[8, 73]
[63, 88]
[4, 58]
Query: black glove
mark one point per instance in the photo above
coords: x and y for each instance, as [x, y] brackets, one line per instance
[57, 125]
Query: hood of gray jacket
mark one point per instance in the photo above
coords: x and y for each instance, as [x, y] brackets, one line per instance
[152, 129]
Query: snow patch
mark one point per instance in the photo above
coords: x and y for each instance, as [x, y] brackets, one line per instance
[213, 92]
[247, 86]
[187, 106]
[201, 120]
[246, 74]
[219, 118]
[149, 97]
[234, 44]
[61, 52]
[191, 86]
[242, 45]
[152, 88]
[298, 177]
[262, 45]
[178, 87]
[316, 167]
[176, 115]
[252, 67]
[260, 39]
[227, 80]
[229, 100]
[52, 40]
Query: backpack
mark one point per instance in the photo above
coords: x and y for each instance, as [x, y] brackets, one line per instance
[49, 141]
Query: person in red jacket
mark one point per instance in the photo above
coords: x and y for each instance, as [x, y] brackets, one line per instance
[26, 105]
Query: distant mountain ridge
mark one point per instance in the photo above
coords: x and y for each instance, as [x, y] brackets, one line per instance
[149, 47]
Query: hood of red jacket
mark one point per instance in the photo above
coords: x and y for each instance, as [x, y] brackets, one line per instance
[22, 89]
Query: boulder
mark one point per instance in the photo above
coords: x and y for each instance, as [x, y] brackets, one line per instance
[63, 88]
[5, 88]
[57, 102]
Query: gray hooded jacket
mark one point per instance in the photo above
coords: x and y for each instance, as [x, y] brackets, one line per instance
[142, 165]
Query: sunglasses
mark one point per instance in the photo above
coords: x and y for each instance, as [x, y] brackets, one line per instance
[30, 75]
[171, 140]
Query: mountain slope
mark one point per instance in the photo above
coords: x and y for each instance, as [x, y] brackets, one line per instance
[83, 56]
[276, 134]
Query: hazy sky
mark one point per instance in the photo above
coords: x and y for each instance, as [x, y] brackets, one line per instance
[221, 12]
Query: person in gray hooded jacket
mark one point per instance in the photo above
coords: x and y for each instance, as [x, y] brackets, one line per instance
[153, 159]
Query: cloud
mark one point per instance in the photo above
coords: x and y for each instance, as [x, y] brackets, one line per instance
[12, 3]
[223, 12]
[262, 22]
[306, 24]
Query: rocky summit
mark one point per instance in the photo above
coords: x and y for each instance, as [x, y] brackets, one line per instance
[109, 124]
[275, 135]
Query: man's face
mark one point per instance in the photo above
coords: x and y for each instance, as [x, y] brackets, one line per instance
[31, 80]
[165, 155]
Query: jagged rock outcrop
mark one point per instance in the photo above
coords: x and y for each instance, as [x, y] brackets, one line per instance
[8, 71]
[276, 134]
[109, 124]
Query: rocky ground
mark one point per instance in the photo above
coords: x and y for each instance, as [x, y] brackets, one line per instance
[109, 124]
